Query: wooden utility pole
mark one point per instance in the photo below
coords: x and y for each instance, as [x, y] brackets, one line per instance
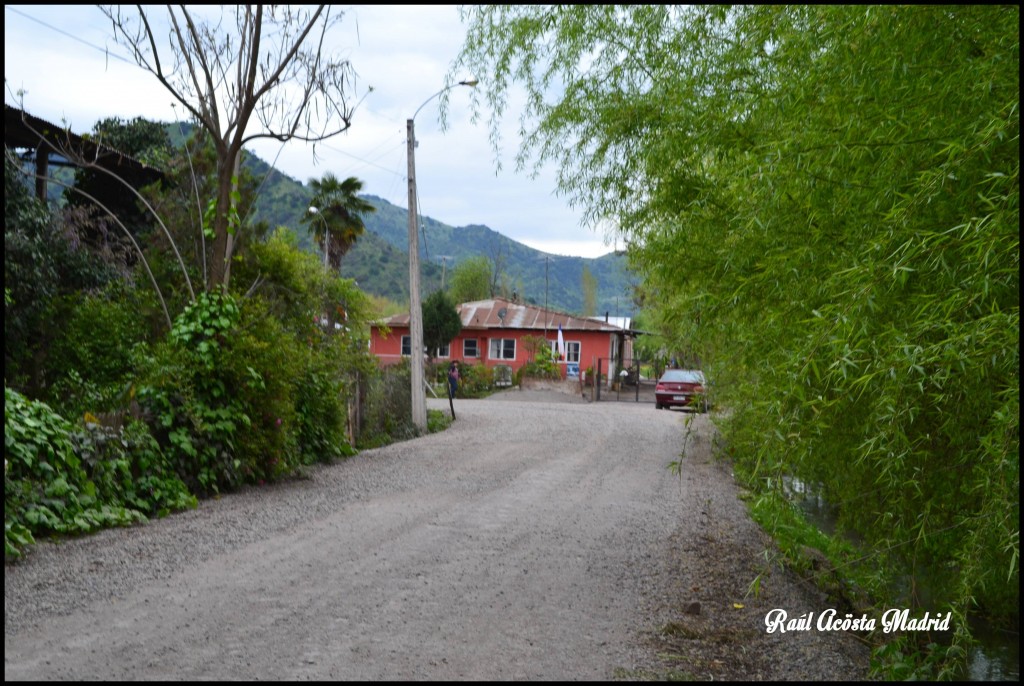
[419, 399]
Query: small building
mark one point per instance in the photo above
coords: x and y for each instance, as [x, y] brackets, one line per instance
[493, 331]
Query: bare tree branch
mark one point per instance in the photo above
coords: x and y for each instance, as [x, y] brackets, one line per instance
[226, 78]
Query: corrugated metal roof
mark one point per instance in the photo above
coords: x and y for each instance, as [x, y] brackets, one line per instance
[23, 130]
[498, 313]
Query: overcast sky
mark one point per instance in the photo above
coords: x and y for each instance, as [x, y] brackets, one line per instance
[55, 54]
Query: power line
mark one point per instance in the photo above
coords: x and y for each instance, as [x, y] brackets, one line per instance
[365, 161]
[105, 51]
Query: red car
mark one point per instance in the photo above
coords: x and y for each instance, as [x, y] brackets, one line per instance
[679, 388]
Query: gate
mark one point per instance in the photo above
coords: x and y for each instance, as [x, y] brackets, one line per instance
[633, 381]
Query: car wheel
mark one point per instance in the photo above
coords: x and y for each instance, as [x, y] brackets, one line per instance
[658, 406]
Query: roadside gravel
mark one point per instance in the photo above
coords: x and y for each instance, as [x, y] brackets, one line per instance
[541, 537]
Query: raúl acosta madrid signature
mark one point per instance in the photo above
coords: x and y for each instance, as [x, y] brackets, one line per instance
[830, 620]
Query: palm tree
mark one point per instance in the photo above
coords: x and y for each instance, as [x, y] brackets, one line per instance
[340, 211]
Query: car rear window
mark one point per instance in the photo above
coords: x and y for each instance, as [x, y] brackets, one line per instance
[683, 376]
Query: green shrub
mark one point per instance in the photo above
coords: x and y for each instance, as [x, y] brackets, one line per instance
[325, 317]
[128, 467]
[263, 365]
[321, 413]
[475, 380]
[437, 420]
[45, 259]
[91, 362]
[542, 366]
[387, 409]
[193, 412]
[47, 489]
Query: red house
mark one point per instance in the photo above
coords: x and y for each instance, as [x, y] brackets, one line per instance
[493, 332]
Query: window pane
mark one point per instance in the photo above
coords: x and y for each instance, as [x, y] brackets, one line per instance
[407, 345]
[503, 349]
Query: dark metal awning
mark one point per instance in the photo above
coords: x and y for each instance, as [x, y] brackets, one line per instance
[50, 144]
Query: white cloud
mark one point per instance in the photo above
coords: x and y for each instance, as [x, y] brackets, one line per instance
[574, 248]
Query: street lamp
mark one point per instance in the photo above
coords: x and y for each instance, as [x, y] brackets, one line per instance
[316, 213]
[419, 398]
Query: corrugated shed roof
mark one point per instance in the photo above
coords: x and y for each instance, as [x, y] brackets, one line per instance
[23, 130]
[498, 313]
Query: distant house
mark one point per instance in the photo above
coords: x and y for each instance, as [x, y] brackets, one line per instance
[493, 332]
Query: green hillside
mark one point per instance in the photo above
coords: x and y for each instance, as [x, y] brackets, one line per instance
[538, 277]
[380, 264]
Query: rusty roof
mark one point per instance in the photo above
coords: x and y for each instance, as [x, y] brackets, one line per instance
[499, 313]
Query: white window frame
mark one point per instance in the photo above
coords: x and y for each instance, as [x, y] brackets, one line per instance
[476, 348]
[572, 351]
[406, 349]
[445, 351]
[499, 345]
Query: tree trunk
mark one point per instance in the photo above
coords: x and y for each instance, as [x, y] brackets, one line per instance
[223, 241]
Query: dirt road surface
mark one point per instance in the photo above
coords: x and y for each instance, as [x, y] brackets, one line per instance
[541, 537]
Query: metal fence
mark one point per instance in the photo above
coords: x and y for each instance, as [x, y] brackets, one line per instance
[632, 380]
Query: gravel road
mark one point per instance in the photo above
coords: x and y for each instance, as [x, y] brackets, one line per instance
[541, 537]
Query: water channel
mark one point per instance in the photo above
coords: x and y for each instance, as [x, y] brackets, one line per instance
[995, 657]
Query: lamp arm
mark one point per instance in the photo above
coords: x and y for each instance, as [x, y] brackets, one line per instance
[469, 82]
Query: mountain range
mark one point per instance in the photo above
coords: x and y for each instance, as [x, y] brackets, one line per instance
[379, 261]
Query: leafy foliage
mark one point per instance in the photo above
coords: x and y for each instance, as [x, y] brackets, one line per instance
[823, 202]
[542, 363]
[192, 388]
[63, 480]
[44, 261]
[475, 380]
[441, 321]
[471, 280]
[139, 138]
[92, 359]
[326, 319]
[127, 466]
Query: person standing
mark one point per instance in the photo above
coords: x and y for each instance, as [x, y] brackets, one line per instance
[453, 379]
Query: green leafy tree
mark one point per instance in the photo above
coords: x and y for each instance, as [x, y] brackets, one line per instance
[471, 280]
[823, 202]
[46, 266]
[141, 139]
[338, 210]
[441, 321]
[589, 288]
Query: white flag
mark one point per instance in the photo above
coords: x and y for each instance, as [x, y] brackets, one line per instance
[561, 344]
